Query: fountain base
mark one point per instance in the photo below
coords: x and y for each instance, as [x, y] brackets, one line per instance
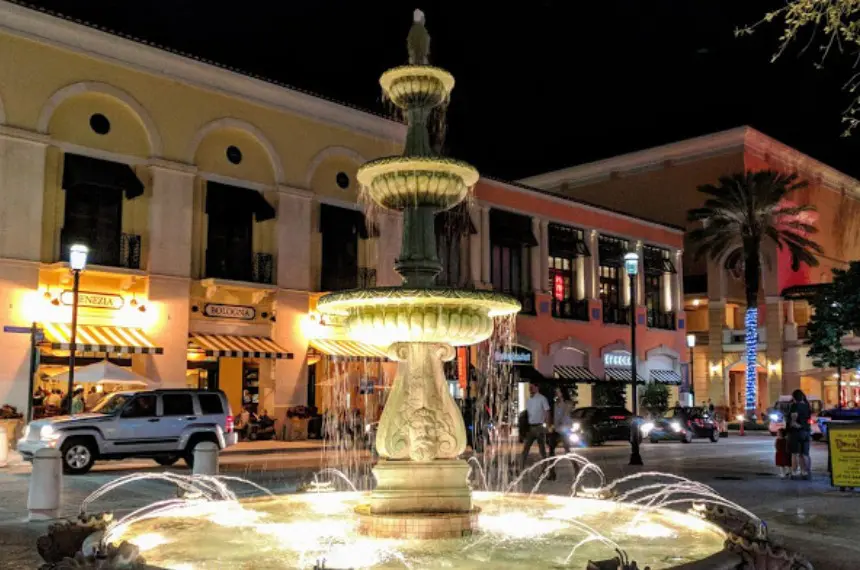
[416, 526]
[430, 487]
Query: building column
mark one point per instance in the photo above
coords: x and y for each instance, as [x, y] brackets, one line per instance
[544, 257]
[291, 375]
[475, 240]
[592, 266]
[774, 353]
[677, 281]
[22, 192]
[486, 278]
[715, 373]
[171, 212]
[537, 255]
[294, 239]
[170, 299]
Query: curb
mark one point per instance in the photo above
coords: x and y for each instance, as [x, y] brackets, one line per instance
[271, 451]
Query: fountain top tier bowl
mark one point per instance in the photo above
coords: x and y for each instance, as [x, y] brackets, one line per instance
[417, 86]
[386, 315]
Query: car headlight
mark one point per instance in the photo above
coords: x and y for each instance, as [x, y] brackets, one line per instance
[676, 427]
[774, 417]
[574, 438]
[26, 433]
[647, 427]
[48, 433]
[575, 427]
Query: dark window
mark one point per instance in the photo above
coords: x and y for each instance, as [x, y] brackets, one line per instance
[234, 155]
[99, 124]
[511, 237]
[342, 180]
[177, 405]
[611, 271]
[93, 217]
[656, 264]
[341, 230]
[210, 404]
[142, 406]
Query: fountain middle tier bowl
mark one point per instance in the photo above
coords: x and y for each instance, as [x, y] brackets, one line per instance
[412, 86]
[387, 315]
[400, 182]
[514, 532]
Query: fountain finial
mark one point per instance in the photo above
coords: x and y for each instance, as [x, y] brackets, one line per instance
[418, 40]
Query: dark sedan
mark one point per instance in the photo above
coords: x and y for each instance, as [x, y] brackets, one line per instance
[682, 424]
[596, 424]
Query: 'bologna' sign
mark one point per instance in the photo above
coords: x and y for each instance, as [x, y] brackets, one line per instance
[93, 300]
[230, 312]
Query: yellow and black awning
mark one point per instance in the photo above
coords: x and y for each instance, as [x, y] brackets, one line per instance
[218, 345]
[94, 338]
[348, 349]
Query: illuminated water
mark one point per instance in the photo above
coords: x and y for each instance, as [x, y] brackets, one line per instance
[516, 531]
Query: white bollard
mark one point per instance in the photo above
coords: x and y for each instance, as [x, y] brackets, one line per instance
[4, 448]
[46, 482]
[205, 458]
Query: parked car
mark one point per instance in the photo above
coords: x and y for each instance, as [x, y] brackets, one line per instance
[164, 425]
[596, 424]
[777, 414]
[682, 424]
[836, 414]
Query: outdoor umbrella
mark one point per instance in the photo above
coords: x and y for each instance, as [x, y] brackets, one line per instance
[104, 373]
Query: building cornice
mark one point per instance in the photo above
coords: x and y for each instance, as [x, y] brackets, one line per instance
[744, 139]
[44, 28]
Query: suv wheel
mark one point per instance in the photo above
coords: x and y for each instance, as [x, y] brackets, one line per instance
[715, 436]
[166, 460]
[79, 455]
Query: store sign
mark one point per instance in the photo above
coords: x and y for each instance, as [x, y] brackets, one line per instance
[617, 359]
[462, 367]
[558, 287]
[517, 355]
[93, 300]
[844, 454]
[230, 312]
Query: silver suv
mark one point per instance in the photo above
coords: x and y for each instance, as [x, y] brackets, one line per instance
[164, 425]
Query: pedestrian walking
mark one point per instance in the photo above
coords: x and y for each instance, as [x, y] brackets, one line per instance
[783, 455]
[562, 424]
[537, 411]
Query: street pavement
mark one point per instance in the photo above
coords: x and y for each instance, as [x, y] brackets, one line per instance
[808, 516]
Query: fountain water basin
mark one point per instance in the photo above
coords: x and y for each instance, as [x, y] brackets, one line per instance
[514, 531]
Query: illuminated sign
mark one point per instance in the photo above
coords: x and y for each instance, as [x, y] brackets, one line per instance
[230, 312]
[558, 287]
[462, 367]
[517, 355]
[93, 300]
[617, 359]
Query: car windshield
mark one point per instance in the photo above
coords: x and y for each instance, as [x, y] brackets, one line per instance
[112, 404]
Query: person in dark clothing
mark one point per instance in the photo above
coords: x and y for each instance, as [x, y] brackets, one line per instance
[265, 427]
[799, 435]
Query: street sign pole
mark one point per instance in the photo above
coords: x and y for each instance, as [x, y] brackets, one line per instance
[34, 355]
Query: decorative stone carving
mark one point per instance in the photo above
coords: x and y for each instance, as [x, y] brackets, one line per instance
[421, 421]
[65, 539]
[126, 556]
[620, 562]
[758, 554]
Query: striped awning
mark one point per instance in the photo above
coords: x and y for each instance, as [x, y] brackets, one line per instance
[218, 345]
[665, 377]
[93, 338]
[575, 373]
[621, 375]
[348, 349]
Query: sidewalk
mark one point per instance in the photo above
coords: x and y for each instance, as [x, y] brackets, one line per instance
[272, 447]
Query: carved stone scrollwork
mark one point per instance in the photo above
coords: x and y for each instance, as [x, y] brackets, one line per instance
[421, 421]
[762, 555]
[126, 556]
[64, 539]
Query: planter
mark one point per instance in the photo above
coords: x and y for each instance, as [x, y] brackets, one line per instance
[14, 430]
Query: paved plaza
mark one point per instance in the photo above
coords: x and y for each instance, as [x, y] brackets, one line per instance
[809, 516]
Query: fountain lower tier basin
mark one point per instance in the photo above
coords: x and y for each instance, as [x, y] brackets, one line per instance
[511, 531]
[386, 315]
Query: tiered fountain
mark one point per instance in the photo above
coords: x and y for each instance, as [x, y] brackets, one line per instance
[423, 491]
[421, 434]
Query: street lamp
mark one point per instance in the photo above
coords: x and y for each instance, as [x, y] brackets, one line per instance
[77, 263]
[631, 265]
[691, 344]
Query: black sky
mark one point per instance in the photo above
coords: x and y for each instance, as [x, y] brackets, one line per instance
[542, 84]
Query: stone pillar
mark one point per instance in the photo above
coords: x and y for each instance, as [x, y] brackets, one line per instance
[170, 301]
[171, 211]
[475, 240]
[538, 257]
[716, 383]
[592, 266]
[791, 366]
[22, 191]
[774, 353]
[391, 224]
[294, 239]
[486, 278]
[46, 484]
[678, 281]
[291, 375]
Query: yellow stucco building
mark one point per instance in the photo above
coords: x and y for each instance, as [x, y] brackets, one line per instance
[200, 192]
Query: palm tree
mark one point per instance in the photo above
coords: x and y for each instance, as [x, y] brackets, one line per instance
[741, 214]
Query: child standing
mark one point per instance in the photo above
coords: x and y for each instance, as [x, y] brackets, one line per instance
[783, 457]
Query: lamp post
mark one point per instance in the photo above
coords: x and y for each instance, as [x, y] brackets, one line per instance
[691, 344]
[77, 263]
[631, 265]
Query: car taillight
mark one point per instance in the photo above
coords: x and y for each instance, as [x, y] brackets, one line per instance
[617, 417]
[229, 426]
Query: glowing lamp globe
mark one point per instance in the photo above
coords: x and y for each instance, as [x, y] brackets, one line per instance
[78, 257]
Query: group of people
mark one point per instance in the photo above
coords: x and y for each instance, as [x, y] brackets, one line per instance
[547, 424]
[792, 442]
[254, 427]
[55, 401]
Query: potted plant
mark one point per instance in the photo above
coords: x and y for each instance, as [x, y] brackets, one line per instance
[12, 421]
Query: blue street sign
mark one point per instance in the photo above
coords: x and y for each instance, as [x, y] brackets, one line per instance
[20, 330]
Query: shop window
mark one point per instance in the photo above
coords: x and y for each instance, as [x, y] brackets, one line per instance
[210, 404]
[177, 405]
[511, 237]
[565, 246]
[611, 273]
[657, 264]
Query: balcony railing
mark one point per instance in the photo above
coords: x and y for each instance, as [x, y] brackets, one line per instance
[126, 253]
[570, 309]
[616, 315]
[661, 320]
[260, 268]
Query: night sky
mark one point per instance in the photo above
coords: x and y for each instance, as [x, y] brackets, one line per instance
[540, 86]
